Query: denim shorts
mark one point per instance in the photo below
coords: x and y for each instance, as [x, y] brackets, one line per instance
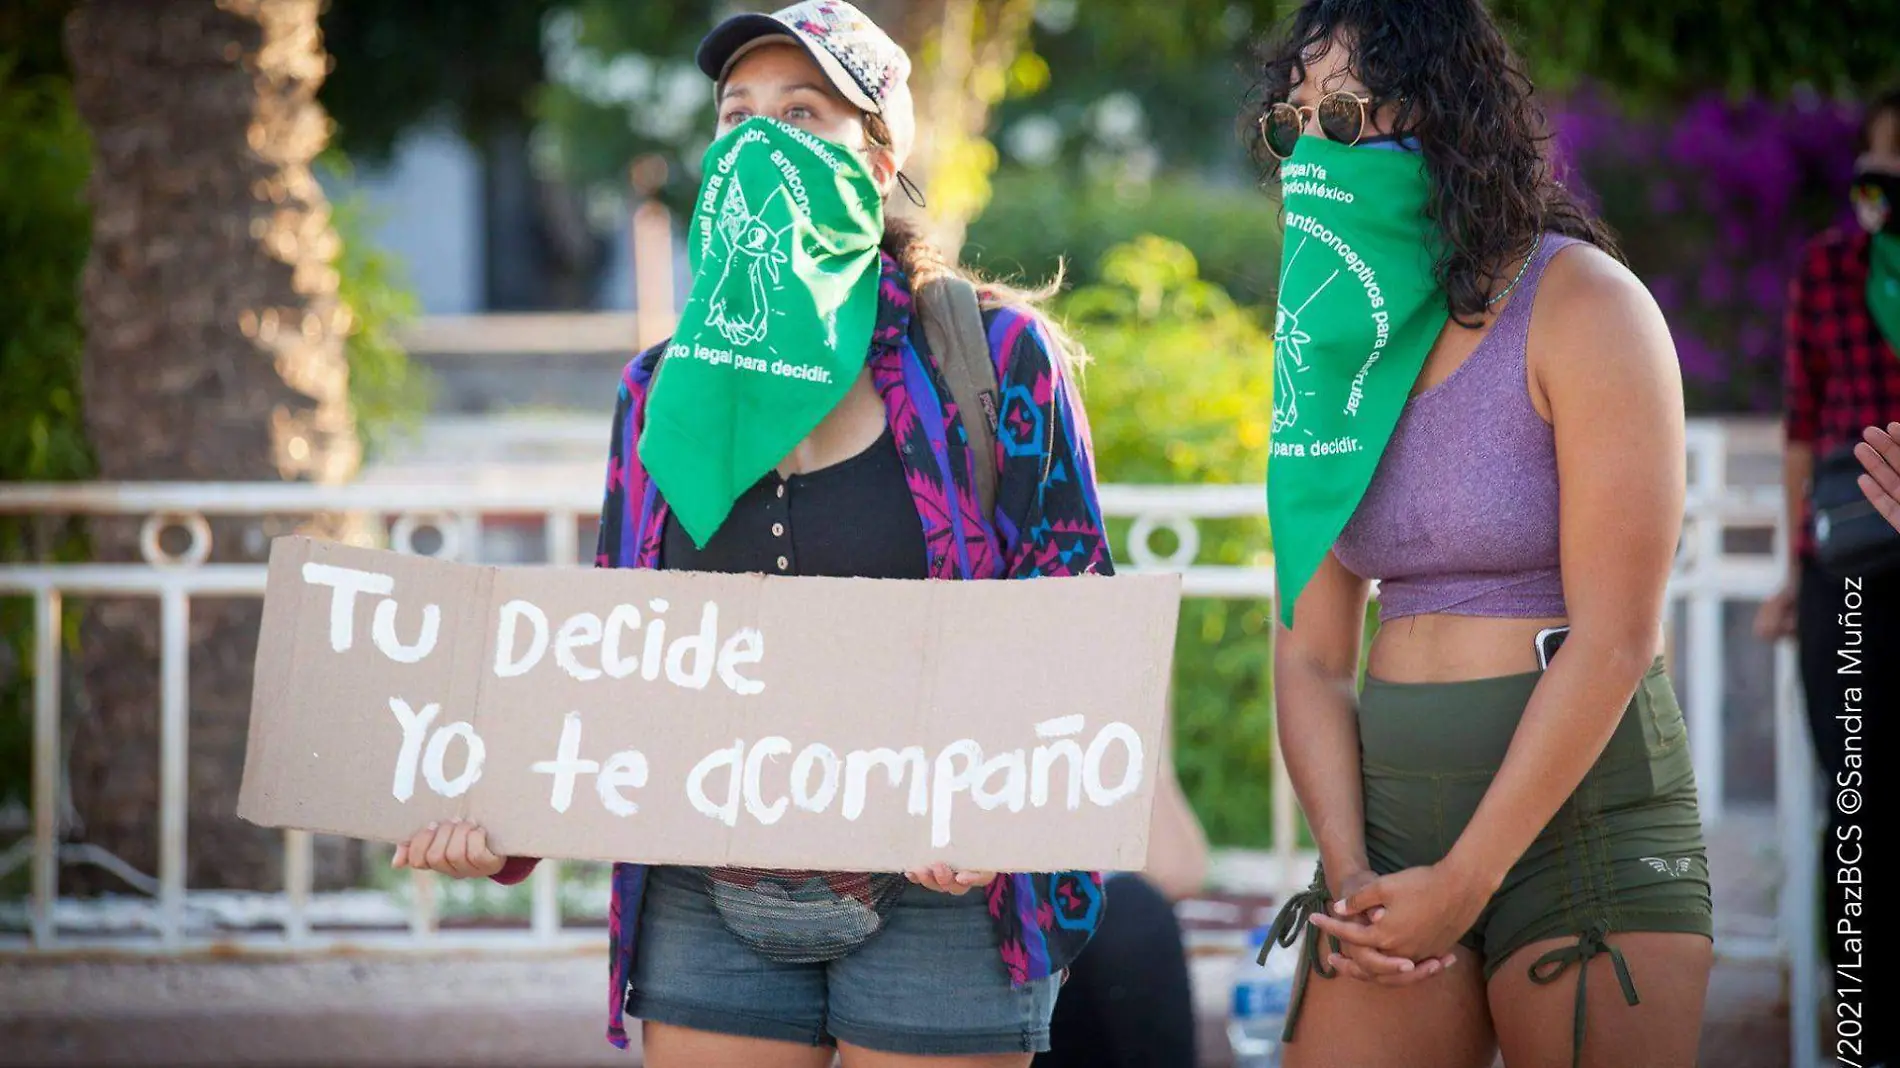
[930, 983]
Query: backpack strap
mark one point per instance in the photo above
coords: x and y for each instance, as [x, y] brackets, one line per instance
[953, 325]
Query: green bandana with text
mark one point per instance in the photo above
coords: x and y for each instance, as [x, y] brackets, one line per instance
[783, 245]
[1358, 313]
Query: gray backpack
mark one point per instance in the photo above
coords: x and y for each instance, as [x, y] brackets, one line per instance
[953, 324]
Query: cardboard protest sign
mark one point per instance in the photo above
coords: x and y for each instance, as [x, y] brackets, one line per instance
[673, 718]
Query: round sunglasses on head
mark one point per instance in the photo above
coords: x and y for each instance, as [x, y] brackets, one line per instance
[1342, 118]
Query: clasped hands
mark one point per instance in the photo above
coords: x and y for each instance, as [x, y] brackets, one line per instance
[1400, 929]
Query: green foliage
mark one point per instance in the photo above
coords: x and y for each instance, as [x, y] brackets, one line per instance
[1179, 393]
[30, 37]
[611, 81]
[583, 892]
[44, 234]
[398, 63]
[1713, 203]
[1179, 389]
[1656, 54]
[1187, 65]
[45, 229]
[623, 85]
[388, 393]
[1039, 219]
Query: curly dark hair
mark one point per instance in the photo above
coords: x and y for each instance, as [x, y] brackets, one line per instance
[1460, 89]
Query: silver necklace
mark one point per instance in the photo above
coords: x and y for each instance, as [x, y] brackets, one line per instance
[1506, 291]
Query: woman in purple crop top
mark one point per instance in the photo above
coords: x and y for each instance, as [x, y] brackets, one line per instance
[1509, 851]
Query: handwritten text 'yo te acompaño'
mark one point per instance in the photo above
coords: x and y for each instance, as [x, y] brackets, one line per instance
[761, 780]
[1013, 779]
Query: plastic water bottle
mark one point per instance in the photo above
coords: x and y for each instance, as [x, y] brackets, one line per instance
[1261, 996]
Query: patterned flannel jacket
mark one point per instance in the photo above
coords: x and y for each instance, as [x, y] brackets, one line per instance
[1841, 374]
[1047, 524]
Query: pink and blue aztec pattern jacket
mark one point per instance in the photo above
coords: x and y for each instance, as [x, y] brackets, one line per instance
[1047, 524]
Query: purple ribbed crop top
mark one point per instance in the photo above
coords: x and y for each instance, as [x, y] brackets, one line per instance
[1461, 515]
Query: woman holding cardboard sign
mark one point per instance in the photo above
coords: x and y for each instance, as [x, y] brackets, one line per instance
[805, 420]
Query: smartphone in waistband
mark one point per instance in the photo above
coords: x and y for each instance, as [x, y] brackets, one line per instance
[1549, 640]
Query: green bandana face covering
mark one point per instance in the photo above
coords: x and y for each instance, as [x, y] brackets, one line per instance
[1876, 198]
[784, 250]
[1358, 313]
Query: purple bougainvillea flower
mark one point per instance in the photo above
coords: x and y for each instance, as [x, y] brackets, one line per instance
[1767, 284]
[1667, 290]
[1717, 283]
[1699, 361]
[1712, 203]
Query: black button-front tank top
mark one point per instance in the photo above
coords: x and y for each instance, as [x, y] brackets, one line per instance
[854, 519]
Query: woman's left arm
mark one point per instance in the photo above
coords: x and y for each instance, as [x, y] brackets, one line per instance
[1609, 373]
[1603, 361]
[1047, 518]
[1047, 514]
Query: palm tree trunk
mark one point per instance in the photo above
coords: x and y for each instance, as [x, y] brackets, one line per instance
[961, 52]
[214, 352]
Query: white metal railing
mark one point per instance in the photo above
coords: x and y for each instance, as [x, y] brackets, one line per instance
[1708, 574]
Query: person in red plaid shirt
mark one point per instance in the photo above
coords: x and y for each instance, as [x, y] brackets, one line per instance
[1843, 386]
[1843, 373]
[1843, 368]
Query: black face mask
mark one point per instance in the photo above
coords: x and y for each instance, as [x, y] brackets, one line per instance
[1879, 190]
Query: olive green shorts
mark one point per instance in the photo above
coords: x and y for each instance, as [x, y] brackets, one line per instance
[1624, 853]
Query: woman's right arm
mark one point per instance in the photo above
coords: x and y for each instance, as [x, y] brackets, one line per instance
[1315, 675]
[460, 849]
[1315, 679]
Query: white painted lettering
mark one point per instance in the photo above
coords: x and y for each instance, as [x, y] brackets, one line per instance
[623, 617]
[415, 729]
[507, 665]
[567, 764]
[857, 767]
[1040, 762]
[746, 646]
[762, 750]
[1061, 727]
[436, 775]
[345, 583]
[384, 633]
[947, 780]
[653, 657]
[1092, 765]
[815, 756]
[624, 770]
[1015, 777]
[580, 631]
[730, 759]
[700, 647]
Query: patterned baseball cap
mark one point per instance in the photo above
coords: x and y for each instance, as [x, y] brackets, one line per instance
[858, 58]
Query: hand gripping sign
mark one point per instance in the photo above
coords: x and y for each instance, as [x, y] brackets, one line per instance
[664, 717]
